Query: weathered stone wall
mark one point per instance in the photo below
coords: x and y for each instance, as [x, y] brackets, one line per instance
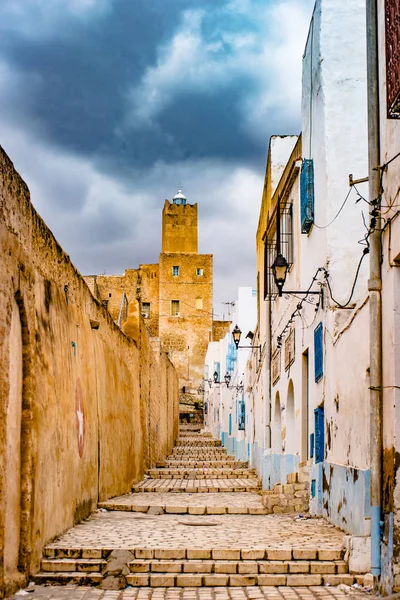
[220, 329]
[76, 413]
[179, 228]
[185, 336]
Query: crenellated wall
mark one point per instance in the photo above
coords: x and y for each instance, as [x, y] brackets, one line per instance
[84, 408]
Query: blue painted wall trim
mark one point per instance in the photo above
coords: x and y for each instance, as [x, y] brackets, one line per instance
[276, 468]
[376, 540]
[342, 496]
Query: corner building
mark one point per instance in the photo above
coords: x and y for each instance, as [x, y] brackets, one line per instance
[175, 296]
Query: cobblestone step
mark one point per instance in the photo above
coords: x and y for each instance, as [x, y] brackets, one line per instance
[201, 473]
[221, 580]
[229, 462]
[198, 485]
[243, 567]
[271, 555]
[189, 442]
[173, 543]
[233, 503]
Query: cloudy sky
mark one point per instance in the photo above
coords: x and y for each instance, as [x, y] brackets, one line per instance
[106, 105]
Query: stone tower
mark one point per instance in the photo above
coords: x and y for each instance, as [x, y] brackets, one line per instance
[174, 297]
[185, 292]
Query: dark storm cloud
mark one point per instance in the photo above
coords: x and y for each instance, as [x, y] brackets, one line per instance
[106, 105]
[84, 77]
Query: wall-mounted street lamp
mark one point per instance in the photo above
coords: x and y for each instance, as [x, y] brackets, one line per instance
[280, 269]
[228, 378]
[236, 334]
[216, 381]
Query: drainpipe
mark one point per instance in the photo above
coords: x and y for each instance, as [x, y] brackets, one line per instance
[375, 289]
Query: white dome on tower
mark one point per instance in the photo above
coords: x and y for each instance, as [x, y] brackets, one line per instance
[179, 198]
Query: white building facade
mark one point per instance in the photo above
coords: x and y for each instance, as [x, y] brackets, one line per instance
[315, 367]
[227, 409]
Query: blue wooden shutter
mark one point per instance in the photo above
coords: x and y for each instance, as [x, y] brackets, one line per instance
[230, 423]
[242, 416]
[307, 195]
[319, 423]
[318, 352]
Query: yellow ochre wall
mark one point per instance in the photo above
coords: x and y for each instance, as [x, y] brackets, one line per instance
[91, 398]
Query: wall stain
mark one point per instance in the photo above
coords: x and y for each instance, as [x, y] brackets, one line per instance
[388, 479]
[47, 294]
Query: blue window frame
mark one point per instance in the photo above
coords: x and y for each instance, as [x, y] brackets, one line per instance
[318, 352]
[231, 358]
[319, 427]
[307, 195]
[312, 437]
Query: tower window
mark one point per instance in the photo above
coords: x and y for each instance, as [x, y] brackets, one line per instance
[199, 303]
[146, 310]
[175, 271]
[200, 272]
[175, 308]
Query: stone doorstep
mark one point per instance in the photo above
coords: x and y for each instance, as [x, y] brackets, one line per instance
[248, 567]
[199, 580]
[80, 565]
[269, 554]
[191, 510]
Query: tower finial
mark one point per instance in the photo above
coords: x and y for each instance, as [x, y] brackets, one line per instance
[179, 198]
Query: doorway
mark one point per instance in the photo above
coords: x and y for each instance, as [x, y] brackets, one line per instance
[305, 406]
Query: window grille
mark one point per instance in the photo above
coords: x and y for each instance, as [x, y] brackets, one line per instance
[175, 308]
[319, 422]
[271, 249]
[175, 271]
[392, 23]
[307, 195]
[289, 349]
[318, 352]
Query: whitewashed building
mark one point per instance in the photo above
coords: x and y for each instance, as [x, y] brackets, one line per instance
[228, 412]
[312, 389]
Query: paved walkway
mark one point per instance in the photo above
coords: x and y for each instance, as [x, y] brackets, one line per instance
[112, 530]
[178, 537]
[217, 593]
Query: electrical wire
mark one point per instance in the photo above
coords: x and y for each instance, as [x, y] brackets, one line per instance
[364, 254]
[337, 214]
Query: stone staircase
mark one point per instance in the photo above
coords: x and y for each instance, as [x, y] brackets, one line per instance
[178, 530]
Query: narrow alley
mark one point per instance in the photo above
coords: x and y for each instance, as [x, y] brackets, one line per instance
[198, 520]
